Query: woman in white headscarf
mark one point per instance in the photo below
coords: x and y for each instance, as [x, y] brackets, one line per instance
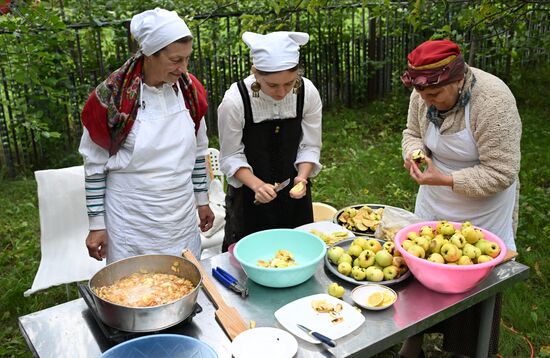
[144, 145]
[270, 130]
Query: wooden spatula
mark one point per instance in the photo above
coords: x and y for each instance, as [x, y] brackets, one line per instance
[228, 317]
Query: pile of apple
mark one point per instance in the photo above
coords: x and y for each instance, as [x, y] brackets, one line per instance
[447, 245]
[368, 259]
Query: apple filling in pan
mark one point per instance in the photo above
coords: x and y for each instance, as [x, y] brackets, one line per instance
[145, 289]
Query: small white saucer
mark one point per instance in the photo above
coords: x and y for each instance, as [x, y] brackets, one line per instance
[360, 295]
[265, 342]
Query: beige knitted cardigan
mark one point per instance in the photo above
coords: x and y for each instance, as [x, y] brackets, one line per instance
[496, 128]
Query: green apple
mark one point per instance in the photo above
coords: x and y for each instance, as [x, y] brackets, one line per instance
[464, 260]
[438, 226]
[355, 262]
[426, 231]
[389, 247]
[470, 234]
[450, 252]
[383, 258]
[458, 240]
[447, 229]
[480, 234]
[492, 249]
[436, 243]
[423, 241]
[336, 290]
[344, 268]
[374, 245]
[378, 266]
[478, 252]
[406, 244]
[417, 251]
[390, 272]
[436, 257]
[345, 258]
[484, 258]
[470, 251]
[465, 224]
[334, 253]
[361, 241]
[374, 274]
[358, 273]
[411, 235]
[354, 250]
[366, 258]
[480, 244]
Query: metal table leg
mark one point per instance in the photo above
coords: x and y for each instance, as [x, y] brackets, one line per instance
[485, 325]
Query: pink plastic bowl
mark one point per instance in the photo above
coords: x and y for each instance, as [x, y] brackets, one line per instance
[447, 278]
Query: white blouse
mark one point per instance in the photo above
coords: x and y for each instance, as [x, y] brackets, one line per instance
[231, 123]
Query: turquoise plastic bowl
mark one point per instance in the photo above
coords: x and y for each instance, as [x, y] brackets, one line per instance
[307, 249]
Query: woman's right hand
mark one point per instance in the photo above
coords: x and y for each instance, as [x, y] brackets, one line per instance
[97, 244]
[264, 193]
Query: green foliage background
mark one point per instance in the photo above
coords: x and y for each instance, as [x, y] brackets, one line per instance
[50, 60]
[361, 144]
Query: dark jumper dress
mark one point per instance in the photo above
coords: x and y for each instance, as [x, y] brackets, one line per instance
[270, 147]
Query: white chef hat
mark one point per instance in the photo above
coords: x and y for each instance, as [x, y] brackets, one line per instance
[156, 29]
[276, 51]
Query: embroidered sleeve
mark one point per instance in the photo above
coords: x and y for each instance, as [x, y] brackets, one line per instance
[200, 175]
[95, 200]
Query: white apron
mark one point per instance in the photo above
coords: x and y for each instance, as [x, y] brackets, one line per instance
[149, 202]
[449, 154]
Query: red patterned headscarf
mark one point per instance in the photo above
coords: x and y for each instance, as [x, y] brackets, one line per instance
[434, 64]
[110, 111]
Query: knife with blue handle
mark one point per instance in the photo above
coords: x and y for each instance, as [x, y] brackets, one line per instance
[318, 335]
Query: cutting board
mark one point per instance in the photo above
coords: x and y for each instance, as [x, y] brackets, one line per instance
[228, 317]
[510, 254]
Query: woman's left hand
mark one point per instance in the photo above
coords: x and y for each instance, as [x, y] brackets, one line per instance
[206, 217]
[431, 175]
[301, 193]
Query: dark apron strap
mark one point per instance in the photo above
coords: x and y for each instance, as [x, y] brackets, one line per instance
[246, 102]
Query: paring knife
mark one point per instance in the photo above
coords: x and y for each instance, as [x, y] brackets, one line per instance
[317, 335]
[278, 188]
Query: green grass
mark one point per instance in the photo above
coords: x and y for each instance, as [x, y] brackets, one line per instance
[362, 159]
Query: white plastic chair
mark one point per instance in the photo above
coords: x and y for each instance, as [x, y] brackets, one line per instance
[214, 157]
[323, 212]
[211, 240]
[63, 229]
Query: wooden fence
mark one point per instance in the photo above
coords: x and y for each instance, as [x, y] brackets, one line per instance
[353, 56]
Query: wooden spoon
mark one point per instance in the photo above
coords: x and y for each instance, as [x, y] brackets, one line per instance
[228, 317]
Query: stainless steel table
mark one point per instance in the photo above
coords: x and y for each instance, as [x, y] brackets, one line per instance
[69, 330]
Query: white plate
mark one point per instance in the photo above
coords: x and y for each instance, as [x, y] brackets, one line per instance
[326, 227]
[360, 294]
[300, 311]
[266, 342]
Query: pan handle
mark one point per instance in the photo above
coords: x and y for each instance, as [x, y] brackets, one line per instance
[209, 286]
